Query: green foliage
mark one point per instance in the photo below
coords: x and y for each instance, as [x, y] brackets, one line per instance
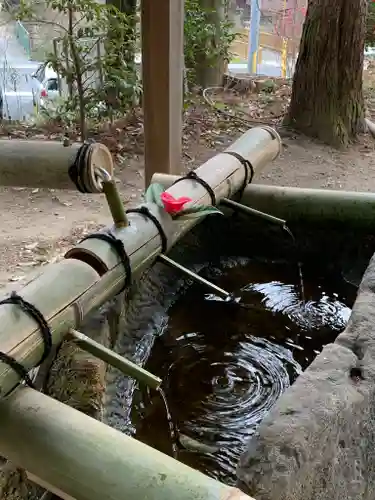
[269, 86]
[206, 42]
[95, 48]
[370, 25]
[94, 56]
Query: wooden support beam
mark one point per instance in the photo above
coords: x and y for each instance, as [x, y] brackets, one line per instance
[69, 452]
[162, 26]
[93, 272]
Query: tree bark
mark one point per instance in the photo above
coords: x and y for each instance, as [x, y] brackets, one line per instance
[327, 99]
[128, 7]
[127, 51]
[209, 73]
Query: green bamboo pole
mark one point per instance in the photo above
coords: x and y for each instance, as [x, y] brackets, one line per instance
[315, 205]
[115, 203]
[46, 164]
[300, 204]
[223, 173]
[56, 294]
[65, 296]
[127, 367]
[166, 180]
[88, 460]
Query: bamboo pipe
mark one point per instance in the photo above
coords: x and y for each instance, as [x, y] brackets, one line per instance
[62, 296]
[238, 207]
[167, 180]
[55, 293]
[298, 205]
[88, 460]
[115, 203]
[125, 366]
[223, 173]
[194, 276]
[46, 164]
[301, 204]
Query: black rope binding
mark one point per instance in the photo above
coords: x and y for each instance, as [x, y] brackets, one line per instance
[76, 170]
[146, 213]
[18, 368]
[45, 330]
[249, 169]
[193, 176]
[119, 248]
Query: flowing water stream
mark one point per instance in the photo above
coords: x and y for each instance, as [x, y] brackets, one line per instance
[224, 365]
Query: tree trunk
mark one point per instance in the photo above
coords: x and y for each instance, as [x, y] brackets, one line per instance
[327, 100]
[211, 74]
[128, 7]
[127, 51]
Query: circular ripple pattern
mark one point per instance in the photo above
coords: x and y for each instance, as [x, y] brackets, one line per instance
[224, 365]
[233, 391]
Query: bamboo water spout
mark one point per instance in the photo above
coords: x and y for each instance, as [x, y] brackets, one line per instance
[127, 367]
[93, 272]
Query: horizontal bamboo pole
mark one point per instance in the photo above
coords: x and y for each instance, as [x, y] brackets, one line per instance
[300, 204]
[316, 205]
[88, 460]
[166, 180]
[46, 164]
[65, 294]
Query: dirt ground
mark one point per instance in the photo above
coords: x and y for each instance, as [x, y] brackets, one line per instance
[39, 225]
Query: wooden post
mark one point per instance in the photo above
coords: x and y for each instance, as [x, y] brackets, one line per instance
[93, 272]
[162, 67]
[88, 460]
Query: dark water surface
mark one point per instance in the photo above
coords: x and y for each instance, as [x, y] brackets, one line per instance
[224, 366]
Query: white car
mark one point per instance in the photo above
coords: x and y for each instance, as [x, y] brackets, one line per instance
[45, 85]
[16, 96]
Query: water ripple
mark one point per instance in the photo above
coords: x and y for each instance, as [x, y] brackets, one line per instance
[224, 365]
[233, 391]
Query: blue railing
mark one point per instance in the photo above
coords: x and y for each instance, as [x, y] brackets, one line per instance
[23, 38]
